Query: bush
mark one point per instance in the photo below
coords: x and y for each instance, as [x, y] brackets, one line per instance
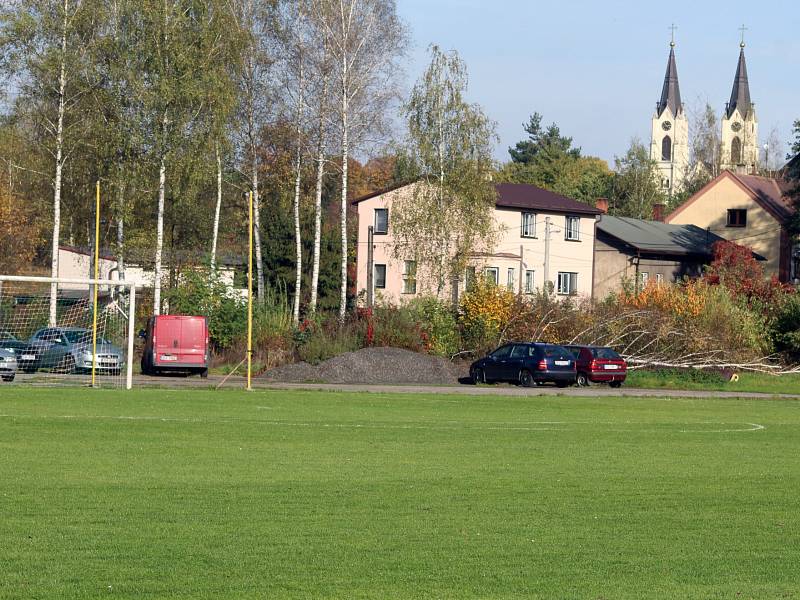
[484, 313]
[786, 327]
[437, 321]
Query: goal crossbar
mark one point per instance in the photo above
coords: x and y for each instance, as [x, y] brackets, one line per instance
[131, 285]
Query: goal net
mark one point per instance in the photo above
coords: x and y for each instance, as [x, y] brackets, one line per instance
[66, 331]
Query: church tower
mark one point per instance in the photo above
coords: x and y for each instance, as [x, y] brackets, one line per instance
[739, 125]
[669, 140]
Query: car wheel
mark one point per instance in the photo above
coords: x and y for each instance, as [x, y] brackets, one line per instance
[615, 384]
[478, 376]
[66, 365]
[526, 378]
[204, 374]
[29, 370]
[582, 380]
[561, 384]
[8, 378]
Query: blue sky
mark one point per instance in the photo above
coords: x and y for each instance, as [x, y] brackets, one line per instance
[596, 68]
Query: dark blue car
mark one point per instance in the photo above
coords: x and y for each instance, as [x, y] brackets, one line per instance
[527, 363]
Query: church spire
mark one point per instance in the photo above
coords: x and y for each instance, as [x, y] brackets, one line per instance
[740, 94]
[671, 92]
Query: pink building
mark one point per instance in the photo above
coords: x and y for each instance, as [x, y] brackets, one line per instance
[542, 237]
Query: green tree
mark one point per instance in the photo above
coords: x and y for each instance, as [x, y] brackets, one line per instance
[449, 215]
[634, 188]
[548, 142]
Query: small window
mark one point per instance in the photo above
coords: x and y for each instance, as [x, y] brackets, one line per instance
[529, 281]
[510, 279]
[410, 277]
[737, 217]
[572, 231]
[665, 182]
[659, 278]
[381, 220]
[567, 283]
[470, 278]
[666, 148]
[644, 277]
[519, 351]
[528, 225]
[380, 276]
[492, 275]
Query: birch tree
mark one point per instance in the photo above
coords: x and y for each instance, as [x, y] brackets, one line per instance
[254, 21]
[449, 215]
[366, 40]
[47, 45]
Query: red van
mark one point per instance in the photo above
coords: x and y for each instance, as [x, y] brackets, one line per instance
[175, 343]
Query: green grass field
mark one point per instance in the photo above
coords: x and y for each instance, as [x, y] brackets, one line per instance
[195, 494]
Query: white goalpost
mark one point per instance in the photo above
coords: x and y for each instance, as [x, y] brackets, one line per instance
[89, 340]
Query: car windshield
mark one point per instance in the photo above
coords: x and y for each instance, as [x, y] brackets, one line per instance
[556, 352]
[82, 336]
[606, 353]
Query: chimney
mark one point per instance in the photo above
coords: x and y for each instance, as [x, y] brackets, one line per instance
[601, 204]
[658, 212]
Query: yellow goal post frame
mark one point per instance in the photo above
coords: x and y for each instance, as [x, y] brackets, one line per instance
[131, 285]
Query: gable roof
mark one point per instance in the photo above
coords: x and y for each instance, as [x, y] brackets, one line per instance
[769, 193]
[740, 93]
[518, 195]
[671, 92]
[654, 237]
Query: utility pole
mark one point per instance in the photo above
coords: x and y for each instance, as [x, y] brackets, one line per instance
[546, 253]
[370, 266]
[521, 268]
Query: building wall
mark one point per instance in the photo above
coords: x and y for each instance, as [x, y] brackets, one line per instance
[748, 136]
[567, 256]
[671, 173]
[709, 209]
[613, 266]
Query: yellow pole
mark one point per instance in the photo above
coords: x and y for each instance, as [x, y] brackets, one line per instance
[94, 287]
[250, 298]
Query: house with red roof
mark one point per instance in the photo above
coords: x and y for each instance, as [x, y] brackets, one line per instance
[544, 240]
[752, 211]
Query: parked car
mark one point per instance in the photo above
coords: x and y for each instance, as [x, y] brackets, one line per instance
[598, 364]
[175, 343]
[10, 342]
[8, 364]
[528, 363]
[69, 350]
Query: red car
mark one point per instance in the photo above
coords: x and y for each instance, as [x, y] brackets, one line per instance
[596, 364]
[175, 343]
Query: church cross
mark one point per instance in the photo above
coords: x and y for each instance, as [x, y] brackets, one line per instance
[742, 29]
[672, 28]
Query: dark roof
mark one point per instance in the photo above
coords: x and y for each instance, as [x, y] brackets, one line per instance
[523, 195]
[772, 193]
[654, 237]
[740, 94]
[671, 92]
[519, 195]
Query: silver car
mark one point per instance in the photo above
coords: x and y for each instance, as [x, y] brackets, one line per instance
[69, 350]
[8, 363]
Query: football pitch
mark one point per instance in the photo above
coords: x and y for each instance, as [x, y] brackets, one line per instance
[276, 494]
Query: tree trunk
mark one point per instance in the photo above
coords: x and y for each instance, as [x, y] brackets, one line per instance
[62, 89]
[318, 207]
[120, 223]
[257, 232]
[162, 184]
[215, 233]
[345, 149]
[298, 241]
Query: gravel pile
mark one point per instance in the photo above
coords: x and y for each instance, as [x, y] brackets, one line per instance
[372, 365]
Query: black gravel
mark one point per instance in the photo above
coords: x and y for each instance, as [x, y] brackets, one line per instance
[373, 366]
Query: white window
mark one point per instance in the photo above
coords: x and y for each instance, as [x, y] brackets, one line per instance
[567, 283]
[659, 278]
[572, 229]
[528, 225]
[410, 277]
[381, 220]
[380, 276]
[510, 279]
[644, 277]
[529, 282]
[492, 275]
